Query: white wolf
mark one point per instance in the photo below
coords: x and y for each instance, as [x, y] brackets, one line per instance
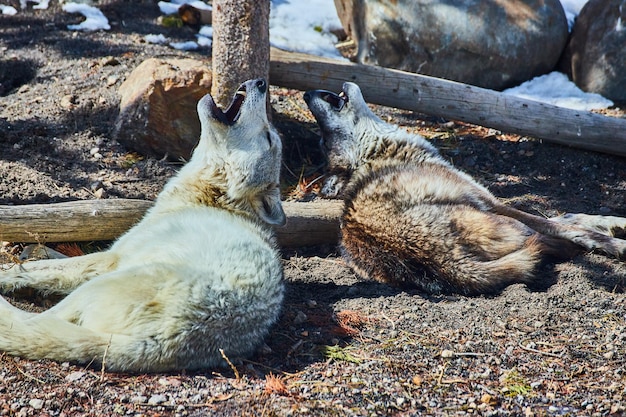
[199, 274]
[412, 218]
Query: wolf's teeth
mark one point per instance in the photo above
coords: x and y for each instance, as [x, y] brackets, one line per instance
[241, 93]
[342, 94]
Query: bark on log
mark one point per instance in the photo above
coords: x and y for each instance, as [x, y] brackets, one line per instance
[452, 100]
[92, 220]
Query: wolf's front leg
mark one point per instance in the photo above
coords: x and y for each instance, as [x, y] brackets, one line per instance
[56, 275]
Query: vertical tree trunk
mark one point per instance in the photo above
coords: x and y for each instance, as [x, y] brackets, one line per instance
[241, 46]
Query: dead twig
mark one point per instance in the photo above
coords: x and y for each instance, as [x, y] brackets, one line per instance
[104, 359]
[237, 377]
[443, 370]
[540, 352]
[29, 376]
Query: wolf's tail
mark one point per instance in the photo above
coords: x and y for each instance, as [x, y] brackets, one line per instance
[472, 276]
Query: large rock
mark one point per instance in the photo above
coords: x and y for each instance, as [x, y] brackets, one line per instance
[595, 56]
[488, 43]
[158, 114]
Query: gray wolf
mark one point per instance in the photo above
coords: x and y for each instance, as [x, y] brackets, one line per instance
[411, 218]
[198, 276]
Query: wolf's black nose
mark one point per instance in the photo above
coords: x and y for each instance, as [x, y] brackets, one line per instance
[261, 85]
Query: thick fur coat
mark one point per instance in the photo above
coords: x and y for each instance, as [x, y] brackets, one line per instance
[411, 218]
[198, 276]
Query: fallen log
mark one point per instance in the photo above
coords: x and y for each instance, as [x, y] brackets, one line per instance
[453, 100]
[95, 220]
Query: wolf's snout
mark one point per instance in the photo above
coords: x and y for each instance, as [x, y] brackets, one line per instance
[208, 108]
[337, 101]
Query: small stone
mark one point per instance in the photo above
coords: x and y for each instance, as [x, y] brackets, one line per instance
[96, 185]
[109, 60]
[487, 399]
[300, 318]
[99, 193]
[69, 101]
[173, 382]
[36, 403]
[157, 399]
[112, 80]
[74, 376]
[139, 399]
[447, 354]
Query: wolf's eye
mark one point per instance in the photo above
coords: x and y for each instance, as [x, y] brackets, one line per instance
[269, 138]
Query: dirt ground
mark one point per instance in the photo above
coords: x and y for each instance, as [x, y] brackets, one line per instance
[343, 347]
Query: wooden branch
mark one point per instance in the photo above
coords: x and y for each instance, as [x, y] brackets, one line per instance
[453, 100]
[91, 220]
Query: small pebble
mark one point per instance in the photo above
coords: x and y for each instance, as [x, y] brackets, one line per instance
[157, 399]
[447, 354]
[74, 376]
[36, 403]
[300, 318]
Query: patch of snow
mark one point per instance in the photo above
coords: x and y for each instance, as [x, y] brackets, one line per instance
[556, 89]
[572, 10]
[206, 31]
[41, 4]
[159, 39]
[185, 46]
[172, 7]
[305, 26]
[204, 41]
[8, 10]
[95, 19]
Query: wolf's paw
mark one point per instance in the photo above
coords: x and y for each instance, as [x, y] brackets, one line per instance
[609, 245]
[332, 186]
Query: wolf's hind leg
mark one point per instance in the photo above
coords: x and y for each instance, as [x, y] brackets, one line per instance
[608, 225]
[587, 237]
[56, 275]
[45, 336]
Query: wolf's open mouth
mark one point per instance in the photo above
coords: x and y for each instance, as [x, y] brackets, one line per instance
[230, 116]
[335, 100]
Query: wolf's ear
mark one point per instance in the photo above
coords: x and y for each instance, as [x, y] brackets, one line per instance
[269, 208]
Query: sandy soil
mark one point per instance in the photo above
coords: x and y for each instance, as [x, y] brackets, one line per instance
[342, 347]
